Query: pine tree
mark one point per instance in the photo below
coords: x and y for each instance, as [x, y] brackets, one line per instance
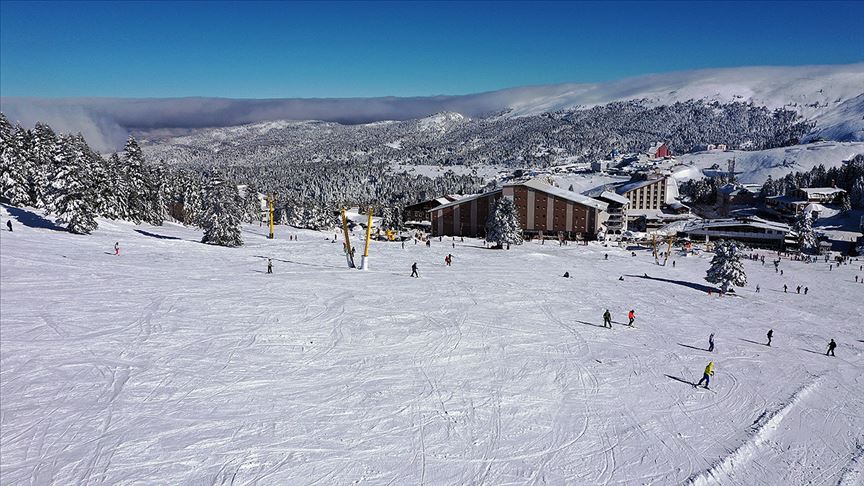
[72, 195]
[806, 236]
[502, 224]
[140, 207]
[43, 147]
[222, 215]
[726, 267]
[13, 164]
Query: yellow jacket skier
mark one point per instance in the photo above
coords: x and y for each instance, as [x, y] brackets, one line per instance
[706, 377]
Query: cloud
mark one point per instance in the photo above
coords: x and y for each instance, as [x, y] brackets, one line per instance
[106, 122]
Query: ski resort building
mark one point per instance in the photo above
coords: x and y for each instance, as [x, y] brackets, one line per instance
[542, 209]
[616, 223]
[650, 193]
[659, 150]
[810, 199]
[420, 210]
[751, 230]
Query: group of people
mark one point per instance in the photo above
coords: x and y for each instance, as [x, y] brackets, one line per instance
[607, 318]
[709, 370]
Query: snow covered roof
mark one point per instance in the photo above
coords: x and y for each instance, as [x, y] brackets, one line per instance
[465, 199]
[753, 221]
[821, 190]
[563, 194]
[614, 197]
[632, 186]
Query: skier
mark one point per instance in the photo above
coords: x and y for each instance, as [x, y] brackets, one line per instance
[757, 288]
[673, 263]
[116, 248]
[781, 273]
[414, 270]
[9, 224]
[798, 289]
[711, 343]
[454, 244]
[566, 274]
[606, 256]
[448, 259]
[706, 377]
[784, 288]
[632, 316]
[428, 243]
[831, 347]
[607, 319]
[770, 335]
[269, 266]
[806, 289]
[621, 278]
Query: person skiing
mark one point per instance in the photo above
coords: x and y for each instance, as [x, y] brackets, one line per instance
[798, 289]
[566, 274]
[414, 270]
[706, 377]
[116, 248]
[831, 347]
[448, 259]
[806, 289]
[673, 263]
[770, 335]
[269, 266]
[784, 288]
[607, 319]
[428, 243]
[711, 343]
[606, 256]
[757, 288]
[632, 316]
[9, 224]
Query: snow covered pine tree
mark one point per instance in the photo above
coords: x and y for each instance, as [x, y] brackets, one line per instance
[806, 236]
[72, 195]
[222, 212]
[502, 225]
[726, 267]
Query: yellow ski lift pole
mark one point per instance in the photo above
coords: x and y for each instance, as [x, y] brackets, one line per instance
[364, 262]
[270, 208]
[347, 243]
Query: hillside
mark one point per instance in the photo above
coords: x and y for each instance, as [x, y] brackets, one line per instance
[179, 362]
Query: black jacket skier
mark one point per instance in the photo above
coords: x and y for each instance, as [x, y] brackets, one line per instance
[831, 347]
[414, 270]
[607, 319]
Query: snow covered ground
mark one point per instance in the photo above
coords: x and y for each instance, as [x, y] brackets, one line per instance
[755, 166]
[181, 363]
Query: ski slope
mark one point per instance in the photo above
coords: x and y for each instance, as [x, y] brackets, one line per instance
[181, 363]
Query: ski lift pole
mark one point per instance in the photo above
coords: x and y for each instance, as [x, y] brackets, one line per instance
[270, 215]
[364, 262]
[347, 243]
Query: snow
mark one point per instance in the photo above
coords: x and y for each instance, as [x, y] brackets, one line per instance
[178, 362]
[832, 92]
[756, 166]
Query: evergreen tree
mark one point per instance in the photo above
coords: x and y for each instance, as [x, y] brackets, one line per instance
[72, 195]
[502, 224]
[43, 147]
[222, 215]
[806, 236]
[13, 164]
[726, 267]
[140, 206]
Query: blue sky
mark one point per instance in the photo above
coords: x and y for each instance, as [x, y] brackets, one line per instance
[271, 50]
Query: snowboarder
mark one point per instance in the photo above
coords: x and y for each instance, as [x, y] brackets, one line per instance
[711, 343]
[269, 266]
[414, 270]
[116, 248]
[706, 377]
[607, 319]
[770, 335]
[632, 316]
[831, 347]
[9, 224]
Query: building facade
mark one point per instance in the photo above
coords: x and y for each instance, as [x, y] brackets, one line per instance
[649, 194]
[542, 209]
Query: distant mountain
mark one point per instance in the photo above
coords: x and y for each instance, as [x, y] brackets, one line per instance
[830, 96]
